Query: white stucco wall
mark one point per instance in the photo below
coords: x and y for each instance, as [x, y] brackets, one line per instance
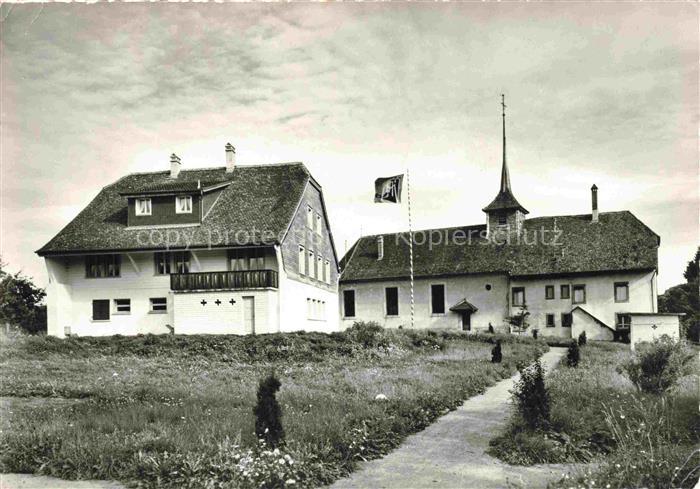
[192, 317]
[370, 302]
[647, 327]
[293, 313]
[600, 299]
[594, 330]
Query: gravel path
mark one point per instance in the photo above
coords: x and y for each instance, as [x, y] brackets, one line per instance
[451, 453]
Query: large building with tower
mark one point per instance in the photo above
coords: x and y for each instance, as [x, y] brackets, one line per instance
[564, 274]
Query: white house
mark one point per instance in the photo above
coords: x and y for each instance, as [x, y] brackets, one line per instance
[570, 273]
[235, 249]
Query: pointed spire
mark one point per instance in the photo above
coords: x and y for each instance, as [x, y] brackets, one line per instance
[505, 177]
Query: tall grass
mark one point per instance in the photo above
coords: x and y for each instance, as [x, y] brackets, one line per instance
[637, 439]
[178, 411]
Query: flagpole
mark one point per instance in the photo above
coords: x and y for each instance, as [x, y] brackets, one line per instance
[410, 237]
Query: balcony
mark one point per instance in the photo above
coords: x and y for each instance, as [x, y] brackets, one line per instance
[250, 279]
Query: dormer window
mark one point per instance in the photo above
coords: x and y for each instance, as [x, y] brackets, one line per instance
[143, 207]
[183, 204]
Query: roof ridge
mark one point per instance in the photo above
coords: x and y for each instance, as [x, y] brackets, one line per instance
[574, 215]
[185, 170]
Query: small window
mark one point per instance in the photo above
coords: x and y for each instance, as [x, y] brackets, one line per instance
[312, 264]
[102, 266]
[309, 217]
[66, 331]
[100, 310]
[579, 294]
[302, 260]
[159, 304]
[349, 303]
[143, 207]
[624, 321]
[502, 220]
[549, 292]
[518, 296]
[162, 263]
[566, 320]
[392, 301]
[122, 306]
[622, 292]
[319, 224]
[182, 261]
[437, 299]
[488, 287]
[550, 320]
[183, 204]
[565, 292]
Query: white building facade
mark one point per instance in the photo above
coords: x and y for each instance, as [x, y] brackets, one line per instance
[197, 252]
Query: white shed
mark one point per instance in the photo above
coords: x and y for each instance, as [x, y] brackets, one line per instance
[646, 326]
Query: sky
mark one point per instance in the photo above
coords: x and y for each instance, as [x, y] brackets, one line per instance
[603, 93]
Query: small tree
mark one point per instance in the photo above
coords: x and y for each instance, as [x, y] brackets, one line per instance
[496, 353]
[268, 415]
[573, 355]
[531, 397]
[535, 333]
[657, 366]
[582, 339]
[491, 328]
[519, 320]
[20, 302]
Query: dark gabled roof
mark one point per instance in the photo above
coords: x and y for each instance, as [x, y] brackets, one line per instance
[178, 185]
[618, 242]
[504, 201]
[465, 306]
[257, 205]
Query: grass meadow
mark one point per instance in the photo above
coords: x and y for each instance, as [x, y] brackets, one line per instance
[175, 411]
[635, 439]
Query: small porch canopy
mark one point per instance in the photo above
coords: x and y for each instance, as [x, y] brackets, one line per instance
[464, 306]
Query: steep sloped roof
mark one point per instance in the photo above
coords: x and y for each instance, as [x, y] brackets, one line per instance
[505, 200]
[618, 242]
[258, 204]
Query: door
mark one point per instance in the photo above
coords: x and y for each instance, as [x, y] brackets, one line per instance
[466, 321]
[249, 315]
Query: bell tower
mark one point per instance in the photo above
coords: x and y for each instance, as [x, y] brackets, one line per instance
[504, 214]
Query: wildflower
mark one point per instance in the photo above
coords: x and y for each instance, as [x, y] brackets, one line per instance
[622, 416]
[290, 482]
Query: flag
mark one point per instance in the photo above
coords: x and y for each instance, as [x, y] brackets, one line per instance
[388, 189]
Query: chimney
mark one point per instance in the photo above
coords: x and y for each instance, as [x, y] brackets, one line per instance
[594, 202]
[380, 247]
[174, 165]
[230, 157]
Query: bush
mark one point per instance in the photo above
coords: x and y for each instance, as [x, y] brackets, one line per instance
[535, 333]
[496, 354]
[531, 397]
[268, 415]
[582, 339]
[368, 334]
[657, 366]
[573, 355]
[491, 328]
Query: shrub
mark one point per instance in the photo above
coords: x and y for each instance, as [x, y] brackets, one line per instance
[268, 415]
[657, 366]
[491, 328]
[496, 354]
[535, 333]
[582, 339]
[573, 355]
[368, 334]
[531, 397]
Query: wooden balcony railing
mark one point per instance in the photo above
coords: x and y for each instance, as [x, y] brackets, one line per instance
[251, 279]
